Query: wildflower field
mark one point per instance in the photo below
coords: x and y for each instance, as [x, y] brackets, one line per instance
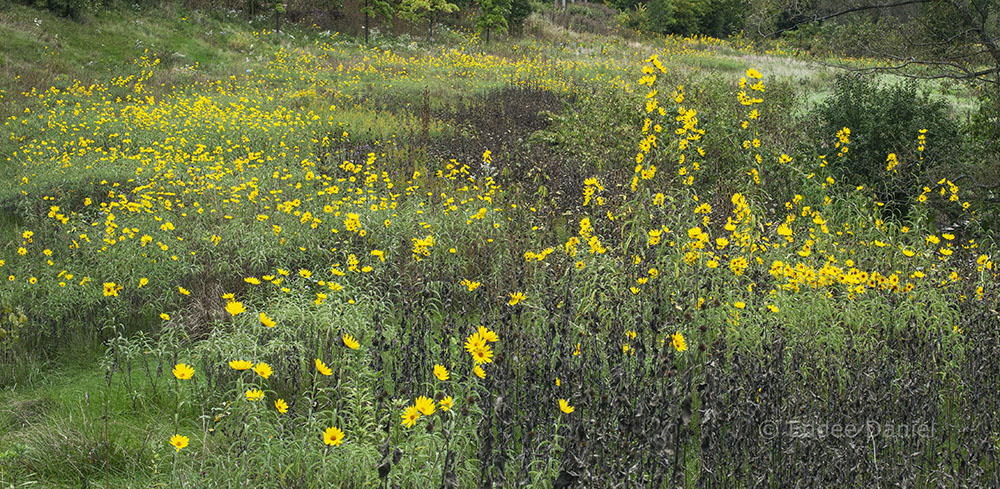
[598, 263]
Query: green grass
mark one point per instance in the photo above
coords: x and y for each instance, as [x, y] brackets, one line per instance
[44, 49]
[67, 426]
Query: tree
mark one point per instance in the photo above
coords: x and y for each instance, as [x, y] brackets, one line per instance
[688, 15]
[624, 5]
[722, 18]
[660, 16]
[375, 9]
[492, 16]
[519, 10]
[279, 10]
[717, 18]
[958, 39]
[417, 10]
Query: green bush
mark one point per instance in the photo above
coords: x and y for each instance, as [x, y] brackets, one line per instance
[886, 119]
[635, 19]
[981, 180]
[985, 125]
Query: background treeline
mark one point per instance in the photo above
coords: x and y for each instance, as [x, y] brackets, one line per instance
[357, 17]
[716, 18]
[851, 27]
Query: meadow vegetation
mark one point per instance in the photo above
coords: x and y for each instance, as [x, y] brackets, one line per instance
[243, 257]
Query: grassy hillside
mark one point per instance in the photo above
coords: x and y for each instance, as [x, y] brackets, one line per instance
[239, 257]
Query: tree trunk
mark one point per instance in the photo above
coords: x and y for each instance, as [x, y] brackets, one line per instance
[366, 22]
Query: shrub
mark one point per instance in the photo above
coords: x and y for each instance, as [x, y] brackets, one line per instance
[980, 177]
[886, 119]
[985, 125]
[635, 19]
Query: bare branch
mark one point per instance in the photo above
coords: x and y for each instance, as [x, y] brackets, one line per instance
[898, 70]
[851, 10]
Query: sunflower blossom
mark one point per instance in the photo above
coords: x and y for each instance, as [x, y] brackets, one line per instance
[234, 307]
[322, 368]
[263, 370]
[110, 289]
[266, 321]
[425, 405]
[183, 371]
[410, 416]
[483, 354]
[179, 441]
[474, 342]
[441, 372]
[240, 365]
[565, 407]
[446, 403]
[677, 340]
[333, 436]
[281, 406]
[487, 335]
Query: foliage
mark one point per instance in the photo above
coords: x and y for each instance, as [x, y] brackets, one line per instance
[985, 125]
[381, 11]
[717, 18]
[886, 120]
[984, 135]
[956, 39]
[660, 16]
[636, 18]
[723, 19]
[492, 16]
[519, 11]
[418, 10]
